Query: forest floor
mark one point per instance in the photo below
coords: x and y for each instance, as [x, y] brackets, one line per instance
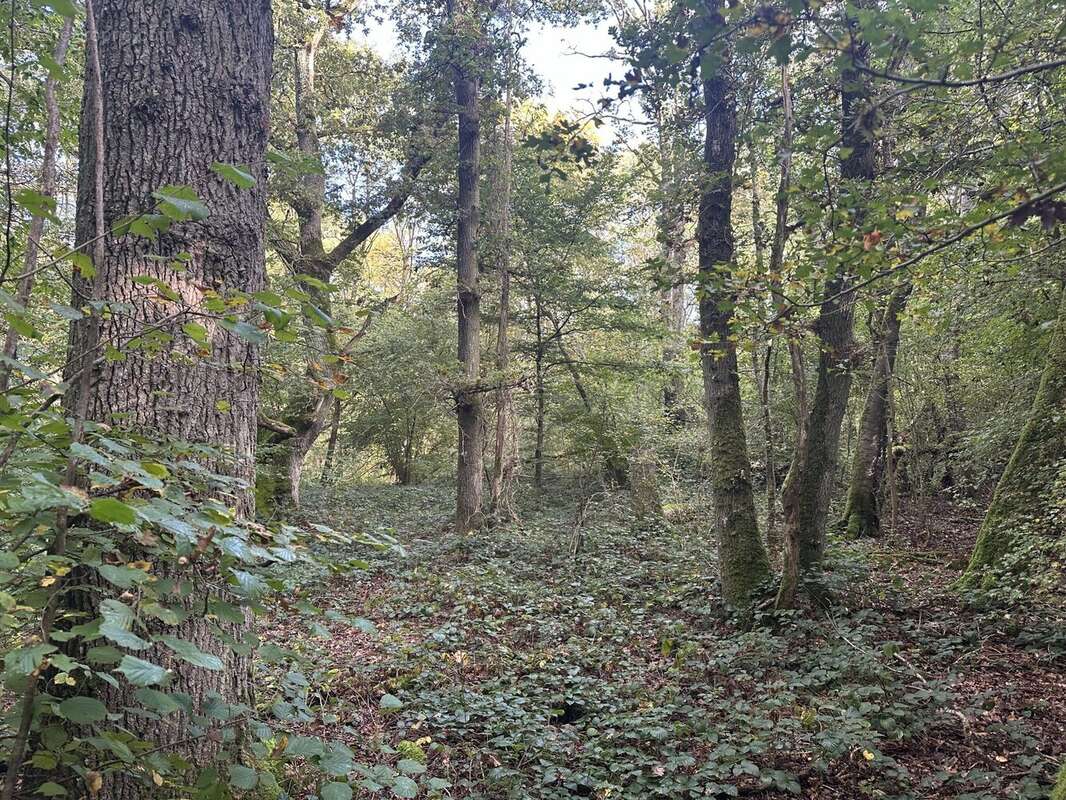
[500, 667]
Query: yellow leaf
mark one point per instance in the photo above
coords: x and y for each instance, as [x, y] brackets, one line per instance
[94, 780]
[868, 755]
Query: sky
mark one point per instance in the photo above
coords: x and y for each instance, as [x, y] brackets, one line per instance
[563, 57]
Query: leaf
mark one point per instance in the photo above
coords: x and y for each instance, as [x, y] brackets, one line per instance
[196, 332]
[404, 787]
[25, 660]
[123, 637]
[241, 777]
[51, 789]
[408, 766]
[121, 576]
[83, 710]
[238, 176]
[336, 791]
[390, 702]
[180, 203]
[112, 511]
[157, 701]
[65, 8]
[140, 672]
[187, 651]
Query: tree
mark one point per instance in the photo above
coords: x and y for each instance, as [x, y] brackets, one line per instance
[806, 494]
[741, 556]
[468, 38]
[314, 262]
[861, 517]
[1027, 504]
[213, 61]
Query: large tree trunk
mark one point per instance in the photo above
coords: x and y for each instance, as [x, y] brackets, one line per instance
[1028, 498]
[861, 514]
[806, 494]
[184, 86]
[468, 404]
[742, 558]
[505, 448]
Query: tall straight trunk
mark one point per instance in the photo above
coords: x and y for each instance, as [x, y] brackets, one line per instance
[505, 446]
[468, 405]
[861, 514]
[47, 188]
[672, 242]
[1028, 497]
[331, 447]
[540, 397]
[183, 86]
[741, 556]
[806, 494]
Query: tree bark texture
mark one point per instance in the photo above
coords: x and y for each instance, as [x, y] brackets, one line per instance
[806, 494]
[184, 85]
[861, 513]
[1028, 497]
[468, 402]
[742, 558]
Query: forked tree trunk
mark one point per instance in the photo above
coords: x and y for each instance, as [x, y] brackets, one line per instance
[184, 85]
[468, 403]
[861, 514]
[742, 559]
[806, 494]
[1028, 498]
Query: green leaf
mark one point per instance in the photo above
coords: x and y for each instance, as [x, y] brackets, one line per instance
[404, 787]
[112, 511]
[390, 702]
[155, 700]
[83, 710]
[51, 789]
[238, 176]
[8, 560]
[187, 651]
[241, 777]
[65, 8]
[123, 577]
[123, 637]
[336, 791]
[140, 672]
[180, 203]
[196, 332]
[25, 660]
[408, 766]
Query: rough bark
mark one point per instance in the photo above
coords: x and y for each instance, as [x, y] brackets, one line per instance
[468, 402]
[540, 396]
[505, 446]
[1028, 497]
[806, 494]
[742, 558]
[183, 86]
[861, 513]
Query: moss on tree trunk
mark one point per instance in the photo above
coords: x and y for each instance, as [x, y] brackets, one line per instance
[1028, 500]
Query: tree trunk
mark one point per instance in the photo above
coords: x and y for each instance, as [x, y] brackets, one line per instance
[1028, 497]
[672, 301]
[184, 86]
[505, 449]
[47, 189]
[468, 405]
[541, 398]
[861, 514]
[806, 493]
[331, 447]
[742, 558]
